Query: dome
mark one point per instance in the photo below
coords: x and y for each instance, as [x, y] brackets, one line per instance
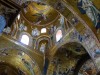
[39, 14]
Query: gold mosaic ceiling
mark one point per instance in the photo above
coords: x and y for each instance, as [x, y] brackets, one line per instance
[39, 14]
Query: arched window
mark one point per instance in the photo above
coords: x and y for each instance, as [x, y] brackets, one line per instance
[18, 16]
[25, 39]
[58, 35]
[43, 30]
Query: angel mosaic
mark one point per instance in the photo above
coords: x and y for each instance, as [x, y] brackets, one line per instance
[52, 29]
[74, 20]
[7, 30]
[22, 27]
[40, 16]
[87, 7]
[35, 32]
[61, 20]
[42, 47]
[96, 53]
[77, 35]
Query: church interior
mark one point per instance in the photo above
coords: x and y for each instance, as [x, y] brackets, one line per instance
[49, 37]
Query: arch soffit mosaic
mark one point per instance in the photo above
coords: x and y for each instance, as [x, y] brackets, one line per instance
[43, 38]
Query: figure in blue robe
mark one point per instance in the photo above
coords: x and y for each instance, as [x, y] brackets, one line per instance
[97, 51]
[2, 23]
[46, 66]
[79, 4]
[88, 8]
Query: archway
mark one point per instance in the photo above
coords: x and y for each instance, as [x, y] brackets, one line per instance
[43, 46]
[66, 58]
[20, 63]
[44, 38]
[7, 69]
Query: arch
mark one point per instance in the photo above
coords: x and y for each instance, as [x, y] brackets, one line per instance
[69, 42]
[31, 62]
[74, 47]
[66, 54]
[41, 39]
[43, 46]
